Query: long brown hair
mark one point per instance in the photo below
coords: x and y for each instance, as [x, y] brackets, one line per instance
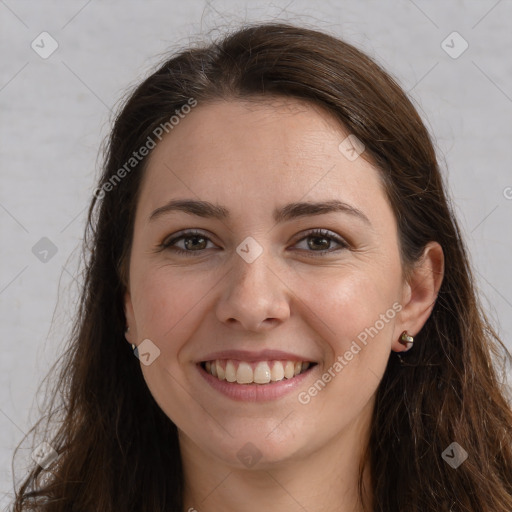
[119, 452]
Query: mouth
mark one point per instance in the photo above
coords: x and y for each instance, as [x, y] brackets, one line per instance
[255, 372]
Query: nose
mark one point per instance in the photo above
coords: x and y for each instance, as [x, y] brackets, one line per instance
[255, 298]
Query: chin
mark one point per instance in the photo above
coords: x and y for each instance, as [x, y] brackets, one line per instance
[256, 449]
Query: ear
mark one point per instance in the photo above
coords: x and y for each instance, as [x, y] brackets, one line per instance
[131, 334]
[419, 294]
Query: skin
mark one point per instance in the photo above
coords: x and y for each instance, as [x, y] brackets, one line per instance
[251, 157]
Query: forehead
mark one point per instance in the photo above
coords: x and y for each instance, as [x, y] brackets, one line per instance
[285, 129]
[270, 151]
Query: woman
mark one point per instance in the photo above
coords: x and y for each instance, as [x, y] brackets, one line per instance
[270, 371]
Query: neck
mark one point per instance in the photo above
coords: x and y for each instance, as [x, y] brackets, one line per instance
[325, 479]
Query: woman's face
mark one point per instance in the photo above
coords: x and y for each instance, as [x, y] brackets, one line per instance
[257, 293]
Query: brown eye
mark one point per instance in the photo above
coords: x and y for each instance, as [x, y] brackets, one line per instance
[194, 242]
[319, 240]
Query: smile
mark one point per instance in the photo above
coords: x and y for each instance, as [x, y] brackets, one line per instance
[255, 372]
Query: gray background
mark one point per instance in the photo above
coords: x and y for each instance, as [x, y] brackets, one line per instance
[55, 113]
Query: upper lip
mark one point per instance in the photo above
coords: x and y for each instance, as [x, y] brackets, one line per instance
[250, 356]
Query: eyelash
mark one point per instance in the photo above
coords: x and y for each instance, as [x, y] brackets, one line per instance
[317, 233]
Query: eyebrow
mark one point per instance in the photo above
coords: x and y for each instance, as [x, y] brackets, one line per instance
[306, 209]
[282, 214]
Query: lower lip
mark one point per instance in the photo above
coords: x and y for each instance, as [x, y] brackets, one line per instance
[255, 392]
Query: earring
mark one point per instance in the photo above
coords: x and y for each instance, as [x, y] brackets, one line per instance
[127, 330]
[406, 339]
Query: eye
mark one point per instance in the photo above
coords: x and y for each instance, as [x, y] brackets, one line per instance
[193, 240]
[196, 242]
[322, 238]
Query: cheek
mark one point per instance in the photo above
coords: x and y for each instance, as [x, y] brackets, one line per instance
[356, 312]
[167, 307]
[352, 300]
[166, 302]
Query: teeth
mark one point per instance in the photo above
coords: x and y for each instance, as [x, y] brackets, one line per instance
[263, 372]
[289, 370]
[230, 372]
[277, 371]
[244, 373]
